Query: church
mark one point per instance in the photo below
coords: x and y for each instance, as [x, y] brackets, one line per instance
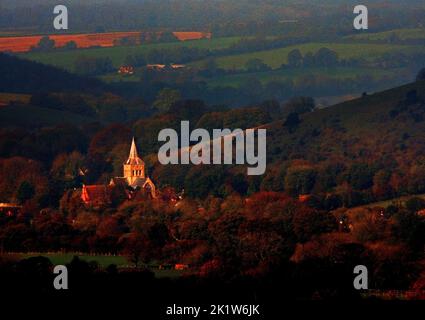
[134, 179]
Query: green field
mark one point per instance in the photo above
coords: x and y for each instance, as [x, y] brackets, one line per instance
[296, 74]
[66, 59]
[115, 77]
[64, 258]
[103, 261]
[276, 57]
[403, 34]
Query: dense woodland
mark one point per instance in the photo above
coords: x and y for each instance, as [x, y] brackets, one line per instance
[227, 223]
[301, 226]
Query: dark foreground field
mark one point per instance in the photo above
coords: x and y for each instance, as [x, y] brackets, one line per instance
[310, 290]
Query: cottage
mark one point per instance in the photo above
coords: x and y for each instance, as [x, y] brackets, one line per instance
[156, 67]
[9, 209]
[126, 70]
[96, 195]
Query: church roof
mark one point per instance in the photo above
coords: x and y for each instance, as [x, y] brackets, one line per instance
[138, 182]
[133, 157]
[95, 194]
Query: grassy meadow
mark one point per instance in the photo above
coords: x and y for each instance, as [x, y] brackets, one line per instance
[276, 57]
[103, 261]
[403, 34]
[351, 47]
[66, 59]
[297, 74]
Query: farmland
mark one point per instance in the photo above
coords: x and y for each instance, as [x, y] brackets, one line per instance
[23, 44]
[296, 74]
[276, 57]
[64, 258]
[403, 34]
[85, 40]
[234, 64]
[66, 59]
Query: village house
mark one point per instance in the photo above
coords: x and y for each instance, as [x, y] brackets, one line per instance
[126, 70]
[156, 67]
[133, 180]
[9, 209]
[164, 67]
[96, 195]
[177, 66]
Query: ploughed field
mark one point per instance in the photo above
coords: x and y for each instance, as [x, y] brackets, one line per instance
[85, 40]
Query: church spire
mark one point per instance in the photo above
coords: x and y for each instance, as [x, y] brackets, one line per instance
[133, 150]
[133, 157]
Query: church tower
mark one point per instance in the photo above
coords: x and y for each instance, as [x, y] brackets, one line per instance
[134, 167]
[134, 176]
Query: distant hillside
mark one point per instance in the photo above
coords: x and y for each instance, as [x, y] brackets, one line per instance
[23, 76]
[390, 123]
[26, 116]
[365, 150]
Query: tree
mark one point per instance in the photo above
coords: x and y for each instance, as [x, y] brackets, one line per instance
[360, 176]
[325, 57]
[25, 192]
[70, 45]
[126, 41]
[166, 98]
[295, 58]
[167, 37]
[93, 66]
[299, 105]
[256, 65]
[308, 222]
[292, 121]
[421, 75]
[381, 184]
[66, 169]
[45, 44]
[308, 60]
[300, 180]
[415, 204]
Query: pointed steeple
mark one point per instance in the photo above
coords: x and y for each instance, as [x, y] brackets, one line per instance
[133, 150]
[133, 157]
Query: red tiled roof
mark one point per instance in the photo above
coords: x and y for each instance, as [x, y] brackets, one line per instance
[95, 194]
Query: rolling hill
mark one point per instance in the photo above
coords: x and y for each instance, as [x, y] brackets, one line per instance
[346, 150]
[23, 76]
[386, 124]
[26, 116]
